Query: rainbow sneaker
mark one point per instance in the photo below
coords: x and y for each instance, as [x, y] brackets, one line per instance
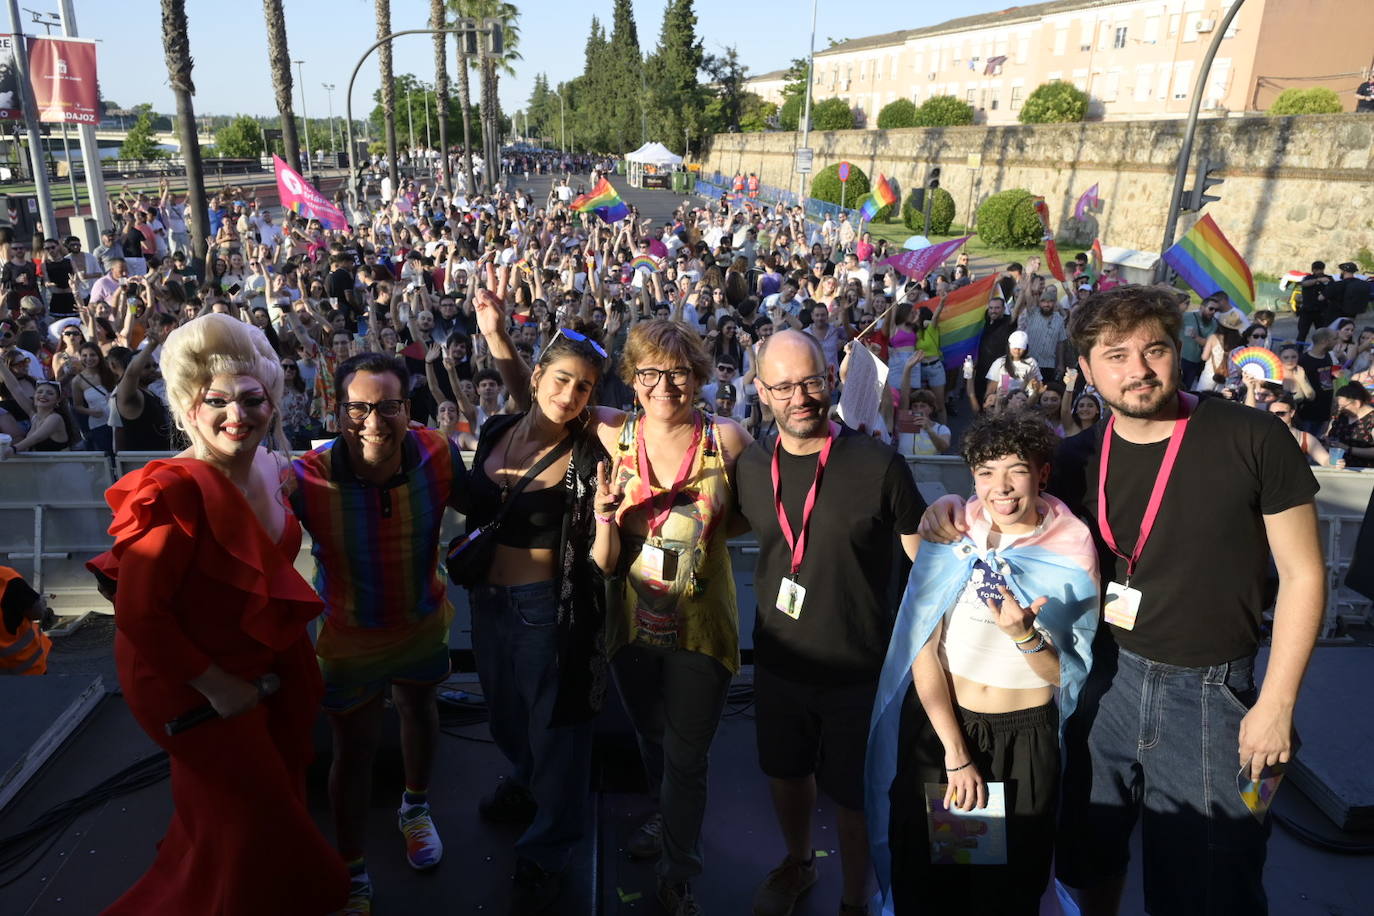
[424, 849]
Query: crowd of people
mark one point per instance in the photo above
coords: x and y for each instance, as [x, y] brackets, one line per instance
[634, 395]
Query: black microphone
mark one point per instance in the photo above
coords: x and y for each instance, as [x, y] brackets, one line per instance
[267, 685]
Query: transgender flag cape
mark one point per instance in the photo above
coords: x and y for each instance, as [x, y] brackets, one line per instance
[1058, 561]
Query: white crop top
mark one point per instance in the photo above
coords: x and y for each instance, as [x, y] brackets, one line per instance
[972, 646]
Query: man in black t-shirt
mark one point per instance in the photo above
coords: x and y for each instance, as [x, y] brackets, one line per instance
[825, 612]
[1170, 715]
[1364, 94]
[1320, 367]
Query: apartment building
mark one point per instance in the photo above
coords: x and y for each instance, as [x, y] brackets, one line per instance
[767, 86]
[1137, 59]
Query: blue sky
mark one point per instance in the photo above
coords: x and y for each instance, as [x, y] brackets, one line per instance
[229, 44]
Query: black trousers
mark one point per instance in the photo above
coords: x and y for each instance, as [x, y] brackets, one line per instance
[1019, 749]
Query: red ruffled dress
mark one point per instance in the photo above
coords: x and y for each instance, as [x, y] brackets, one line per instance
[200, 581]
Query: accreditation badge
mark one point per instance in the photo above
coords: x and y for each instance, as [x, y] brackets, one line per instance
[1122, 605]
[791, 595]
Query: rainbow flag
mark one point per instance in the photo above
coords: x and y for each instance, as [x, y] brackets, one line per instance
[962, 320]
[883, 196]
[1207, 262]
[603, 201]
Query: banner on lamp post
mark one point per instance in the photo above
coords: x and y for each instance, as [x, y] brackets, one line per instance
[11, 102]
[63, 74]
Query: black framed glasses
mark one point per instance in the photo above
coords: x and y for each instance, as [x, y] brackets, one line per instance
[361, 410]
[579, 337]
[649, 377]
[812, 385]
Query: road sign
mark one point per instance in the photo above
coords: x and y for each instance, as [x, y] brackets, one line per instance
[844, 171]
[804, 160]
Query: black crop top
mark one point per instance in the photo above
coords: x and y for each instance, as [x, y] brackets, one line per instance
[535, 519]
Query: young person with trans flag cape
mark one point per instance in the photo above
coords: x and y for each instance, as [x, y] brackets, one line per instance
[987, 660]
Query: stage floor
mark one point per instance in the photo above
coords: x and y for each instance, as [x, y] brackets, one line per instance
[89, 863]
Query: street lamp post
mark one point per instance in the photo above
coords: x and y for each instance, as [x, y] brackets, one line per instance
[410, 114]
[562, 127]
[329, 94]
[806, 114]
[428, 143]
[305, 118]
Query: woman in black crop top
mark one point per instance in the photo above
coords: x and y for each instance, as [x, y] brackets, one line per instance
[538, 615]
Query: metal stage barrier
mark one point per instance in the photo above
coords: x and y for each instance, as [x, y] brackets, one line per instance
[53, 518]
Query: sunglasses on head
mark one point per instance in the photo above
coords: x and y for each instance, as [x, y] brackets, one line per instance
[579, 337]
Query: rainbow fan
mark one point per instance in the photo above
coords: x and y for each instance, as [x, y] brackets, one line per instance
[1258, 362]
[646, 262]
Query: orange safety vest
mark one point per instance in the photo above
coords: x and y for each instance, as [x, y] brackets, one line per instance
[753, 184]
[25, 652]
[739, 183]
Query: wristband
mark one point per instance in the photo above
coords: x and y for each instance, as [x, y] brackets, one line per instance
[1028, 637]
[1039, 647]
[603, 519]
[958, 768]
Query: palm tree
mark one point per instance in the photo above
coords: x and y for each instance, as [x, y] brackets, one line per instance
[388, 91]
[465, 101]
[437, 21]
[506, 14]
[279, 59]
[177, 48]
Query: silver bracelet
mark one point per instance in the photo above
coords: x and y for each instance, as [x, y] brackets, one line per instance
[1039, 646]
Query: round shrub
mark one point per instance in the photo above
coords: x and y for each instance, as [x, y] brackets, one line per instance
[897, 113]
[1008, 220]
[1054, 102]
[832, 114]
[826, 185]
[1317, 100]
[883, 215]
[941, 212]
[944, 111]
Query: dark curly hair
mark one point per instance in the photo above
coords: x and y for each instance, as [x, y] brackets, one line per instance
[996, 435]
[1117, 312]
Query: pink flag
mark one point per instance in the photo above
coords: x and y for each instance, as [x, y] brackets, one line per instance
[301, 198]
[914, 265]
[1086, 202]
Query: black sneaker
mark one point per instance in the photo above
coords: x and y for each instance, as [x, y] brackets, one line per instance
[534, 889]
[508, 804]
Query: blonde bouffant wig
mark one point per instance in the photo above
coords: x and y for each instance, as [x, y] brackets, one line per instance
[212, 345]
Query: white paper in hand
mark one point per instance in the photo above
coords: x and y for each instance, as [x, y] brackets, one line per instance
[865, 383]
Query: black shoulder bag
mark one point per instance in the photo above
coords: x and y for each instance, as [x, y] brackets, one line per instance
[469, 555]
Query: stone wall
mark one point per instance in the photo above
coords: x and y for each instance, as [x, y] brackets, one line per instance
[1296, 189]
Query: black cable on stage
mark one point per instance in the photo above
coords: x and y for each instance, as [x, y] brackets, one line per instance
[17, 849]
[1313, 838]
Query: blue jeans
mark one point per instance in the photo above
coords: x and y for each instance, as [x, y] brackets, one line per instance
[515, 641]
[1159, 742]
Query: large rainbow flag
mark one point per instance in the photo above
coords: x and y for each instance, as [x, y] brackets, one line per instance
[962, 320]
[1207, 262]
[603, 201]
[883, 196]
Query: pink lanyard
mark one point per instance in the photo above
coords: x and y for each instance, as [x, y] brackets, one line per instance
[659, 517]
[1166, 469]
[798, 543]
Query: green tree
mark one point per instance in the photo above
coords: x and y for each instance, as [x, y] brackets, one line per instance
[1317, 100]
[1008, 220]
[388, 90]
[1055, 103]
[832, 114]
[241, 139]
[728, 74]
[279, 62]
[758, 115]
[624, 80]
[139, 142]
[789, 115]
[941, 212]
[897, 113]
[826, 185]
[944, 111]
[676, 100]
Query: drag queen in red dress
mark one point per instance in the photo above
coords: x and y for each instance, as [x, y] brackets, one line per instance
[207, 601]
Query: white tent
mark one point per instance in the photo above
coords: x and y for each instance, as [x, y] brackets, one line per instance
[655, 156]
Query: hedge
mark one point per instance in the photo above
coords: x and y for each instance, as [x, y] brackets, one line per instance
[826, 185]
[897, 113]
[1008, 220]
[941, 212]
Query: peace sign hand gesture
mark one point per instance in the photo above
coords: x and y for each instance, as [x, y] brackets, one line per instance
[608, 496]
[1013, 619]
[489, 304]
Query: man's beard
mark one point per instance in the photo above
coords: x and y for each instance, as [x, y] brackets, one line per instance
[1160, 397]
[806, 429]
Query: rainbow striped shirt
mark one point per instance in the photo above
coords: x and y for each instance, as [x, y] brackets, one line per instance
[376, 548]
